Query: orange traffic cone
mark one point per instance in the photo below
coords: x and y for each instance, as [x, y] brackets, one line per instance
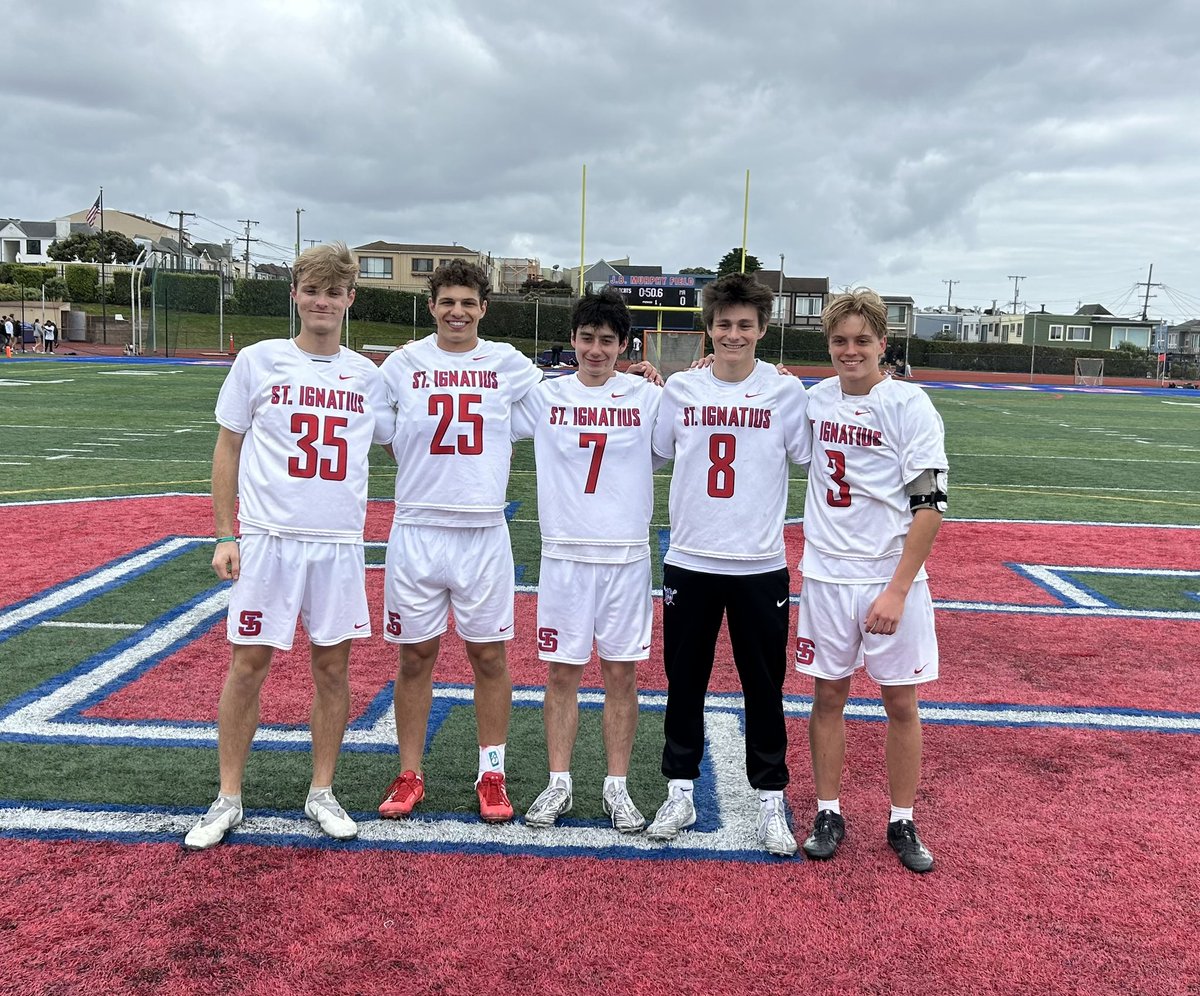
[231, 349]
[8, 351]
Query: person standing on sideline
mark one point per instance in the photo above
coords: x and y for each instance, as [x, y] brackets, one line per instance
[449, 546]
[876, 496]
[49, 335]
[37, 336]
[732, 429]
[591, 437]
[297, 419]
[635, 352]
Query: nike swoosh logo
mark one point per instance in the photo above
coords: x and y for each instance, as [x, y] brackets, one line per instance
[345, 376]
[483, 357]
[754, 395]
[865, 411]
[918, 670]
[618, 395]
[780, 605]
[503, 628]
[361, 625]
[645, 646]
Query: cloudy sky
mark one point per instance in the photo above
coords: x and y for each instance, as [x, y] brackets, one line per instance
[891, 144]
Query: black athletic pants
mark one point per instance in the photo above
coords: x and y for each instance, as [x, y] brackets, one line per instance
[756, 608]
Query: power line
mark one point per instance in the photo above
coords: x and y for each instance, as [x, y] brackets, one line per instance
[182, 215]
[248, 222]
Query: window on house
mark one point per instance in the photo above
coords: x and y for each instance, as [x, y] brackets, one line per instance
[378, 267]
[443, 262]
[1056, 332]
[33, 247]
[897, 314]
[422, 265]
[808, 306]
[1079, 333]
[1018, 331]
[1172, 340]
[1139, 337]
[945, 327]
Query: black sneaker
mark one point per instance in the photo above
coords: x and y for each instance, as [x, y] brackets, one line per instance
[915, 856]
[828, 830]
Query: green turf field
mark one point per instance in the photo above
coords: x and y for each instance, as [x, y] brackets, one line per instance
[79, 429]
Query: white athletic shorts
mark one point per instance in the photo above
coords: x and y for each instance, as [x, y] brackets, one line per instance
[580, 602]
[832, 641]
[430, 568]
[323, 583]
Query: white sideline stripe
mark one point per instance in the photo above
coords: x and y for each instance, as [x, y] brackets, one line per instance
[1056, 582]
[1069, 610]
[67, 593]
[88, 625]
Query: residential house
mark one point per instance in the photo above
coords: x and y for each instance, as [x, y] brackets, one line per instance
[25, 241]
[513, 271]
[1092, 327]
[801, 300]
[133, 225]
[406, 266]
[937, 324]
[900, 320]
[1180, 343]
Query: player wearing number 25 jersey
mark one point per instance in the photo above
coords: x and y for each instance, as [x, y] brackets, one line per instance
[876, 494]
[591, 437]
[453, 394]
[732, 429]
[297, 421]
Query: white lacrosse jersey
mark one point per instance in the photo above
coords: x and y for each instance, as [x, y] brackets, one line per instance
[595, 474]
[731, 444]
[307, 424]
[865, 448]
[453, 420]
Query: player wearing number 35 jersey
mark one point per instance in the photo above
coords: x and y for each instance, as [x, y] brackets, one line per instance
[297, 418]
[732, 429]
[876, 494]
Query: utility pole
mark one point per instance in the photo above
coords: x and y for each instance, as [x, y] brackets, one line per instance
[246, 259]
[312, 242]
[299, 211]
[1016, 288]
[182, 215]
[950, 290]
[781, 307]
[1146, 283]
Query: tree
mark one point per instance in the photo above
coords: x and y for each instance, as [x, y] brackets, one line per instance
[731, 262]
[697, 269]
[91, 247]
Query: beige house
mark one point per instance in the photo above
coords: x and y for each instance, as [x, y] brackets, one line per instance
[133, 225]
[406, 267]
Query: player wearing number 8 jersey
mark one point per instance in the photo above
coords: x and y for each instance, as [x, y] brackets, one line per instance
[297, 421]
[453, 394]
[876, 495]
[591, 436]
[732, 429]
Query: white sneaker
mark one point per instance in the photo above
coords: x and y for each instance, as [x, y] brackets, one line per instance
[324, 808]
[626, 817]
[554, 801]
[677, 813]
[222, 816]
[773, 831]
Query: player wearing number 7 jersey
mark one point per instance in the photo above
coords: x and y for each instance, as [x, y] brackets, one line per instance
[732, 429]
[591, 438]
[876, 495]
[297, 418]
[453, 394]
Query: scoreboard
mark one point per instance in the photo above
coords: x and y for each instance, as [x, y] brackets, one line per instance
[668, 290]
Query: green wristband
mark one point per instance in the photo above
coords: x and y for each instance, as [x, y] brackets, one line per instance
[226, 539]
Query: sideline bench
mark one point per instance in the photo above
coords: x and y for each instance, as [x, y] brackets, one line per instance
[368, 348]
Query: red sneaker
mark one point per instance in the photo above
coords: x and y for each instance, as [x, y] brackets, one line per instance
[494, 806]
[404, 793]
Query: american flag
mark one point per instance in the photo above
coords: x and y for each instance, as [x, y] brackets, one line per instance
[93, 212]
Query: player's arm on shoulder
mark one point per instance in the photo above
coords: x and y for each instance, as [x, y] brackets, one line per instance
[646, 369]
[928, 499]
[226, 456]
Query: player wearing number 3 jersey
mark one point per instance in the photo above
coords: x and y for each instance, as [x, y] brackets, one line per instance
[732, 429]
[876, 494]
[453, 394]
[297, 419]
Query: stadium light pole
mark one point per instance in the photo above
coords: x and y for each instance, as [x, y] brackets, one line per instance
[781, 307]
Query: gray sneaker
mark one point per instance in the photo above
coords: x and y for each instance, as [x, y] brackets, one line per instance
[222, 816]
[773, 831]
[555, 801]
[677, 813]
[626, 817]
[323, 807]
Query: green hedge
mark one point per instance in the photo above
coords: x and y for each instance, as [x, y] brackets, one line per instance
[186, 291]
[82, 284]
[14, 292]
[378, 304]
[25, 275]
[258, 297]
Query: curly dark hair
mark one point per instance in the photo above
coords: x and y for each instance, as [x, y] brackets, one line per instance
[734, 289]
[459, 273]
[606, 308]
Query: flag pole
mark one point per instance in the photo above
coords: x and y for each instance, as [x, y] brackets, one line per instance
[103, 295]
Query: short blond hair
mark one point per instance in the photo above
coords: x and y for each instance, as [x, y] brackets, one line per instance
[861, 301]
[329, 265]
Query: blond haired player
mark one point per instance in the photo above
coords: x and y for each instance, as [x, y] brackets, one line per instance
[297, 418]
[876, 496]
[591, 436]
